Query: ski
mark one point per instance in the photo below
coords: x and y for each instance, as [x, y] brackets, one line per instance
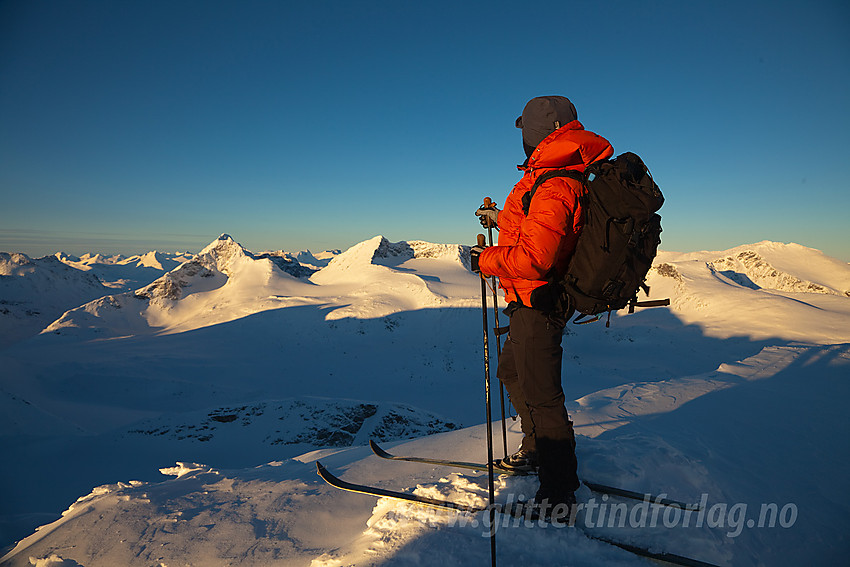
[642, 497]
[455, 464]
[594, 486]
[384, 493]
[337, 482]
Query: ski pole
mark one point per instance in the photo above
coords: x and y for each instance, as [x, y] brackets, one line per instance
[490, 481]
[487, 204]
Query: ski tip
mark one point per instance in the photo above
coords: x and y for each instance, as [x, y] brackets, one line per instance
[320, 469]
[325, 475]
[378, 451]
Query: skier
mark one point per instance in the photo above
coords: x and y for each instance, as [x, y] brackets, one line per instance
[533, 244]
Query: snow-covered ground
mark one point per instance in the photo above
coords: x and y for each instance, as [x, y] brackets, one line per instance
[179, 423]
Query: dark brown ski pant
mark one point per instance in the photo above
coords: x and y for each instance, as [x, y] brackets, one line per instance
[530, 369]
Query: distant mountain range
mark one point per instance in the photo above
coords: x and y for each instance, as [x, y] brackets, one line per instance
[34, 292]
[156, 289]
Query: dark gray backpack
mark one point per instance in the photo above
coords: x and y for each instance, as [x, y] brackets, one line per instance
[615, 249]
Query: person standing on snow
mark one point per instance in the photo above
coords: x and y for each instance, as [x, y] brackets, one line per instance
[533, 244]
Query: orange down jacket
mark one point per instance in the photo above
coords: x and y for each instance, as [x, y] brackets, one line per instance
[531, 245]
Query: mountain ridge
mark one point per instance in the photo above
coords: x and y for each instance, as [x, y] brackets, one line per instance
[371, 270]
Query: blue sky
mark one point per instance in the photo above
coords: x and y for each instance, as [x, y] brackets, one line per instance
[130, 126]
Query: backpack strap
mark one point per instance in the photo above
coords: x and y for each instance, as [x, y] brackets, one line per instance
[571, 173]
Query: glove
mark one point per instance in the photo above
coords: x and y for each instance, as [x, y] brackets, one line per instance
[474, 253]
[488, 216]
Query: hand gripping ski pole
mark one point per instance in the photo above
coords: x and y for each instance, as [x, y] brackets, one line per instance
[490, 480]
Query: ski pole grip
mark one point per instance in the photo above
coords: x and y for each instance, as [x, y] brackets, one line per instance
[488, 203]
[482, 241]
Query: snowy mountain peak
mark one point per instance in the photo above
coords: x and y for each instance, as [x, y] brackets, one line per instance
[413, 249]
[208, 270]
[222, 282]
[782, 267]
[318, 260]
[378, 251]
[152, 259]
[170, 286]
[783, 283]
[42, 274]
[222, 254]
[34, 292]
[98, 258]
[228, 256]
[66, 258]
[223, 241]
[15, 264]
[750, 269]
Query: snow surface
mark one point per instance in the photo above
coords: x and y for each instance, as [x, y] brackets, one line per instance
[189, 413]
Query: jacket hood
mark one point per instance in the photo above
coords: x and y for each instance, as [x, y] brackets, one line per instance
[569, 147]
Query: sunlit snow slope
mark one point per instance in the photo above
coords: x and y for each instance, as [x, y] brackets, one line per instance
[244, 369]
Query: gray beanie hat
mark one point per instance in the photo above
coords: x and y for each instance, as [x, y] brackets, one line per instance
[542, 116]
